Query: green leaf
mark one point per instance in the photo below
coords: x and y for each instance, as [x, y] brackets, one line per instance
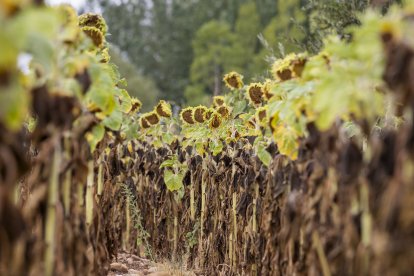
[199, 145]
[263, 154]
[169, 162]
[14, 105]
[95, 136]
[114, 121]
[125, 99]
[167, 138]
[216, 146]
[173, 181]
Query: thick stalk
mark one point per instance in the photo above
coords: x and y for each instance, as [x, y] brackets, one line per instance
[175, 236]
[256, 196]
[67, 180]
[89, 194]
[321, 254]
[51, 212]
[66, 191]
[203, 202]
[128, 223]
[234, 228]
[100, 178]
[231, 249]
[192, 203]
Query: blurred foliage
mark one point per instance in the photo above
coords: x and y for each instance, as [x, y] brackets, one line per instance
[138, 85]
[328, 17]
[185, 45]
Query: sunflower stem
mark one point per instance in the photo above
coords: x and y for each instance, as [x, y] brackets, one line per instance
[50, 227]
[89, 193]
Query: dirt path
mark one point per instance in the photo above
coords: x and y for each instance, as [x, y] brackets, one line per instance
[129, 264]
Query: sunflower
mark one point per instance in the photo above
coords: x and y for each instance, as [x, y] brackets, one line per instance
[267, 89]
[93, 20]
[69, 13]
[224, 111]
[255, 93]
[163, 109]
[144, 123]
[105, 57]
[207, 115]
[136, 105]
[218, 101]
[215, 121]
[152, 117]
[233, 80]
[199, 114]
[251, 123]
[95, 35]
[10, 7]
[289, 67]
[261, 115]
[186, 115]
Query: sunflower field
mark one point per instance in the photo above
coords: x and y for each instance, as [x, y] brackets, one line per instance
[310, 172]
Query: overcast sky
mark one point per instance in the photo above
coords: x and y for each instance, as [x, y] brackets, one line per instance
[76, 3]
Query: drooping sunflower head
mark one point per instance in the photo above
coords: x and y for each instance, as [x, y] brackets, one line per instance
[215, 121]
[104, 54]
[289, 67]
[267, 89]
[186, 115]
[93, 20]
[136, 105]
[255, 93]
[199, 114]
[298, 65]
[144, 123]
[69, 14]
[95, 35]
[261, 115]
[163, 109]
[208, 114]
[251, 123]
[218, 101]
[224, 111]
[390, 31]
[152, 118]
[233, 80]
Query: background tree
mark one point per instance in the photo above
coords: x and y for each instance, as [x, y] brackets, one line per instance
[216, 50]
[138, 85]
[162, 38]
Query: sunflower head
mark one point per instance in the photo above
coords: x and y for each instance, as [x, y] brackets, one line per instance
[208, 114]
[289, 67]
[10, 7]
[152, 118]
[218, 101]
[215, 120]
[136, 105]
[93, 20]
[255, 93]
[95, 35]
[105, 57]
[163, 109]
[298, 65]
[261, 115]
[144, 123]
[389, 31]
[233, 80]
[69, 14]
[199, 114]
[186, 115]
[224, 111]
[251, 123]
[267, 89]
